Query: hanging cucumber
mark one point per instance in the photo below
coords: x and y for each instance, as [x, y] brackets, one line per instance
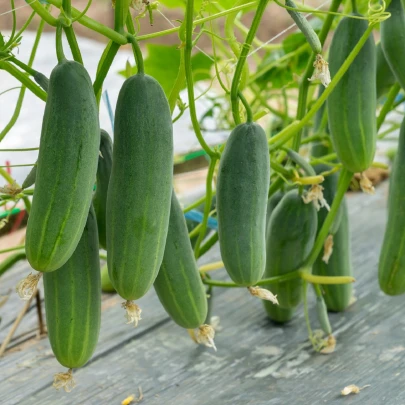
[103, 178]
[30, 179]
[391, 269]
[291, 235]
[139, 192]
[178, 284]
[66, 169]
[392, 40]
[73, 301]
[385, 79]
[242, 189]
[271, 205]
[352, 104]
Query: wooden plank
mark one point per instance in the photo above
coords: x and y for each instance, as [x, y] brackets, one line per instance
[256, 363]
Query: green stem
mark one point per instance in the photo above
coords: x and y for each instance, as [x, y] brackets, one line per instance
[20, 64]
[120, 15]
[137, 54]
[44, 13]
[74, 46]
[26, 24]
[59, 47]
[10, 180]
[189, 78]
[288, 132]
[12, 249]
[18, 150]
[207, 206]
[387, 107]
[304, 85]
[67, 8]
[249, 113]
[197, 203]
[354, 6]
[104, 65]
[344, 182]
[179, 84]
[212, 240]
[275, 186]
[242, 59]
[24, 79]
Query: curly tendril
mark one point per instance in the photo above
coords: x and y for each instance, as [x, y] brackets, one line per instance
[376, 12]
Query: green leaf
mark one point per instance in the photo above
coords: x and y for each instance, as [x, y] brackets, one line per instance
[163, 63]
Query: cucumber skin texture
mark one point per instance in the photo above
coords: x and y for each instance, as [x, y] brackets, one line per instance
[392, 34]
[385, 79]
[142, 172]
[178, 284]
[242, 190]
[66, 169]
[337, 297]
[271, 205]
[292, 228]
[352, 104]
[391, 269]
[73, 301]
[103, 178]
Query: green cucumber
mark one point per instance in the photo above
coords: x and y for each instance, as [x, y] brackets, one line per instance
[352, 104]
[291, 235]
[392, 40]
[242, 190]
[11, 260]
[385, 79]
[139, 192]
[271, 205]
[106, 285]
[73, 301]
[391, 269]
[42, 80]
[305, 27]
[103, 178]
[30, 179]
[66, 171]
[178, 284]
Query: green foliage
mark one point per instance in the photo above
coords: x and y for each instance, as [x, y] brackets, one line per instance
[163, 63]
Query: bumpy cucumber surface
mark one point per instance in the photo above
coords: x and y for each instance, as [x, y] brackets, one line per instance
[73, 301]
[103, 178]
[178, 284]
[352, 104]
[139, 192]
[393, 38]
[391, 269]
[243, 184]
[66, 168]
[291, 235]
[385, 78]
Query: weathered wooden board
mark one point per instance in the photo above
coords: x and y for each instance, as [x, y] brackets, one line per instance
[256, 363]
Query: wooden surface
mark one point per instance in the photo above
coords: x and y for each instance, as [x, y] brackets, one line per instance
[256, 363]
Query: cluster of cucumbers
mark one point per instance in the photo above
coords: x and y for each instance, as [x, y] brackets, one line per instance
[134, 213]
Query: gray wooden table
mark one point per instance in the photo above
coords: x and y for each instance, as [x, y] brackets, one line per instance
[256, 363]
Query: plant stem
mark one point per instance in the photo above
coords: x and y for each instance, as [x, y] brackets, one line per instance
[179, 84]
[10, 180]
[74, 46]
[242, 59]
[59, 47]
[207, 206]
[137, 54]
[304, 85]
[288, 132]
[344, 181]
[24, 79]
[249, 113]
[189, 78]
[120, 15]
[104, 65]
[44, 13]
[387, 107]
[12, 249]
[208, 244]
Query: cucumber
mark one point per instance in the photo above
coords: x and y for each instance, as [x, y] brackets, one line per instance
[42, 80]
[352, 104]
[178, 284]
[242, 189]
[271, 205]
[106, 285]
[385, 79]
[66, 170]
[103, 178]
[11, 260]
[337, 297]
[291, 235]
[391, 269]
[139, 192]
[30, 179]
[392, 40]
[73, 301]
